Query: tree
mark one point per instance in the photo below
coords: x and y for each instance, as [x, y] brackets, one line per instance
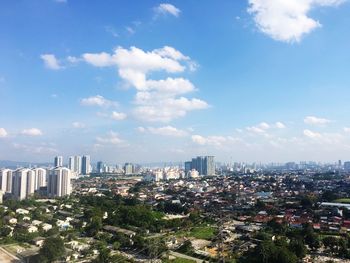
[52, 250]
[94, 226]
[298, 247]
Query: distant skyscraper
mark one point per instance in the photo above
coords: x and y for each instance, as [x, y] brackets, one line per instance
[58, 161]
[71, 163]
[6, 180]
[99, 167]
[59, 183]
[129, 168]
[204, 165]
[19, 185]
[188, 167]
[77, 164]
[40, 178]
[85, 165]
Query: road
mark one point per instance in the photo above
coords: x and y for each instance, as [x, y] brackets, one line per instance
[6, 257]
[179, 255]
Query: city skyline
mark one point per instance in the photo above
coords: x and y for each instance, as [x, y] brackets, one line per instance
[172, 80]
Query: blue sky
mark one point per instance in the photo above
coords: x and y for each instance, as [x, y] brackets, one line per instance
[144, 81]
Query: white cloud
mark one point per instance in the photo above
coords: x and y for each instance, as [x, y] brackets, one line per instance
[110, 138]
[280, 125]
[155, 100]
[97, 100]
[3, 133]
[32, 132]
[346, 129]
[286, 20]
[260, 128]
[312, 135]
[217, 141]
[78, 125]
[166, 8]
[51, 61]
[118, 116]
[312, 120]
[165, 131]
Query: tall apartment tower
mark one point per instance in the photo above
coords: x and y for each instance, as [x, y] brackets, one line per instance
[71, 163]
[128, 168]
[58, 161]
[6, 180]
[59, 183]
[40, 178]
[77, 164]
[85, 165]
[204, 165]
[19, 184]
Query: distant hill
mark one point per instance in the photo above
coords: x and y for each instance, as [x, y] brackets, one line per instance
[15, 164]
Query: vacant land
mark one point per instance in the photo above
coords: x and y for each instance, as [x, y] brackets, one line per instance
[6, 257]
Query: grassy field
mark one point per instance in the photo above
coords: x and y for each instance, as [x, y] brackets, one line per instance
[206, 232]
[343, 200]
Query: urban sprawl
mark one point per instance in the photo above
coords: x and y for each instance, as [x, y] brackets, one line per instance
[198, 211]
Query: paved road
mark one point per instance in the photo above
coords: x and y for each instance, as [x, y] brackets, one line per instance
[6, 257]
[179, 255]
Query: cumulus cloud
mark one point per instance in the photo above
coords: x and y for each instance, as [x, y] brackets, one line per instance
[3, 133]
[97, 100]
[312, 120]
[312, 135]
[286, 21]
[260, 128]
[164, 131]
[32, 132]
[217, 141]
[51, 61]
[280, 125]
[156, 100]
[110, 138]
[78, 125]
[166, 8]
[118, 116]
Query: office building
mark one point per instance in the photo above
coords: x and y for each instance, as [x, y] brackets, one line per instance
[85, 165]
[58, 161]
[59, 182]
[100, 167]
[71, 163]
[204, 165]
[128, 168]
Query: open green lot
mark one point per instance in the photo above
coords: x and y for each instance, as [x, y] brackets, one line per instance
[343, 200]
[178, 260]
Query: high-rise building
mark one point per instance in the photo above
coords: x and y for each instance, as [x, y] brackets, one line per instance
[100, 167]
[188, 167]
[128, 168]
[58, 161]
[6, 180]
[59, 183]
[19, 184]
[77, 164]
[71, 163]
[85, 165]
[40, 178]
[204, 165]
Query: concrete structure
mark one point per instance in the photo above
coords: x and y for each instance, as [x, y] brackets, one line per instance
[58, 161]
[40, 178]
[19, 184]
[85, 165]
[59, 183]
[6, 180]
